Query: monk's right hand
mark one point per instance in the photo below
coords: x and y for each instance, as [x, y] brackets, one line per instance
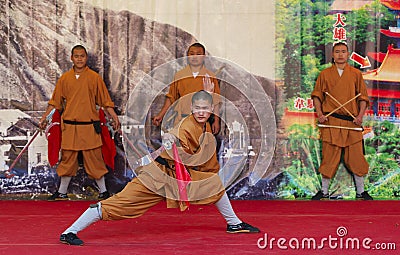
[322, 118]
[167, 140]
[157, 120]
[42, 123]
[208, 85]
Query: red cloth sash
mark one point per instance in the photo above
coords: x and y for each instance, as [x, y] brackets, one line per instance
[182, 176]
[53, 135]
[108, 148]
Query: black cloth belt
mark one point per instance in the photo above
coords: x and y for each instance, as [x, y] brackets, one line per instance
[73, 122]
[96, 124]
[162, 161]
[340, 116]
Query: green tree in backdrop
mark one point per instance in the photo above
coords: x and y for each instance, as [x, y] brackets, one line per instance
[304, 31]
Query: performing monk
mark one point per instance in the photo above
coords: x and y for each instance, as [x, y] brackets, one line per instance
[159, 180]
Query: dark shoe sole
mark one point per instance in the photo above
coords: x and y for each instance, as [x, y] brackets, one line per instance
[64, 242]
[241, 231]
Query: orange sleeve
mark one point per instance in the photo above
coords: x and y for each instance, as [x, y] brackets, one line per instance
[173, 91]
[103, 98]
[57, 98]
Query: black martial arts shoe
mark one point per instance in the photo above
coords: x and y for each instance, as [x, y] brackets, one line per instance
[242, 228]
[364, 196]
[320, 196]
[103, 195]
[71, 239]
[57, 196]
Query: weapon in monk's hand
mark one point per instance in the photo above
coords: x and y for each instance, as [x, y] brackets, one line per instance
[339, 107]
[48, 118]
[338, 103]
[332, 126]
[342, 105]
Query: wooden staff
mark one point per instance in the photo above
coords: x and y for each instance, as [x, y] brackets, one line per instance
[24, 149]
[334, 99]
[342, 105]
[330, 126]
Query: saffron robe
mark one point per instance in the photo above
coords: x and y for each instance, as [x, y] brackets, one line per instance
[183, 87]
[77, 99]
[156, 182]
[342, 88]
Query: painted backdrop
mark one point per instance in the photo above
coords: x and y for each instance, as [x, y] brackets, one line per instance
[267, 55]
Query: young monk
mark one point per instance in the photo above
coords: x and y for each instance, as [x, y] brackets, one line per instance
[192, 78]
[335, 86]
[156, 181]
[77, 94]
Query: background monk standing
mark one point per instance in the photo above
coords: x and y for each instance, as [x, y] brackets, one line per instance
[77, 94]
[335, 86]
[194, 77]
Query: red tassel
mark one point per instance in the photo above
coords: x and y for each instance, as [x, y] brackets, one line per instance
[108, 148]
[53, 135]
[182, 175]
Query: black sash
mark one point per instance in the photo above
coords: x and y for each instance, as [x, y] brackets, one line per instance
[96, 124]
[340, 116]
[73, 122]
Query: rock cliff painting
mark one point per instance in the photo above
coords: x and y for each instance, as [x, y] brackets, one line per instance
[126, 49]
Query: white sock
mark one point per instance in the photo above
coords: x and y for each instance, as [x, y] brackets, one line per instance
[359, 181]
[90, 216]
[64, 183]
[225, 208]
[101, 183]
[325, 185]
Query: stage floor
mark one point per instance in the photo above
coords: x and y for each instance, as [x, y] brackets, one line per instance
[287, 227]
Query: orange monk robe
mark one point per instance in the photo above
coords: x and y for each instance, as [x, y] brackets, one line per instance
[343, 88]
[78, 99]
[196, 140]
[197, 150]
[185, 83]
[156, 182]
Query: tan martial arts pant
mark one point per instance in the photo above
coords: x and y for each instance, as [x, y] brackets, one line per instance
[92, 160]
[353, 158]
[136, 198]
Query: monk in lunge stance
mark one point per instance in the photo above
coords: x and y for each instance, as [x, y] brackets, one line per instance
[77, 94]
[340, 100]
[156, 181]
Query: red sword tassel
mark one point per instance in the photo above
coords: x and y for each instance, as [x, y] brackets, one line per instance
[182, 176]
